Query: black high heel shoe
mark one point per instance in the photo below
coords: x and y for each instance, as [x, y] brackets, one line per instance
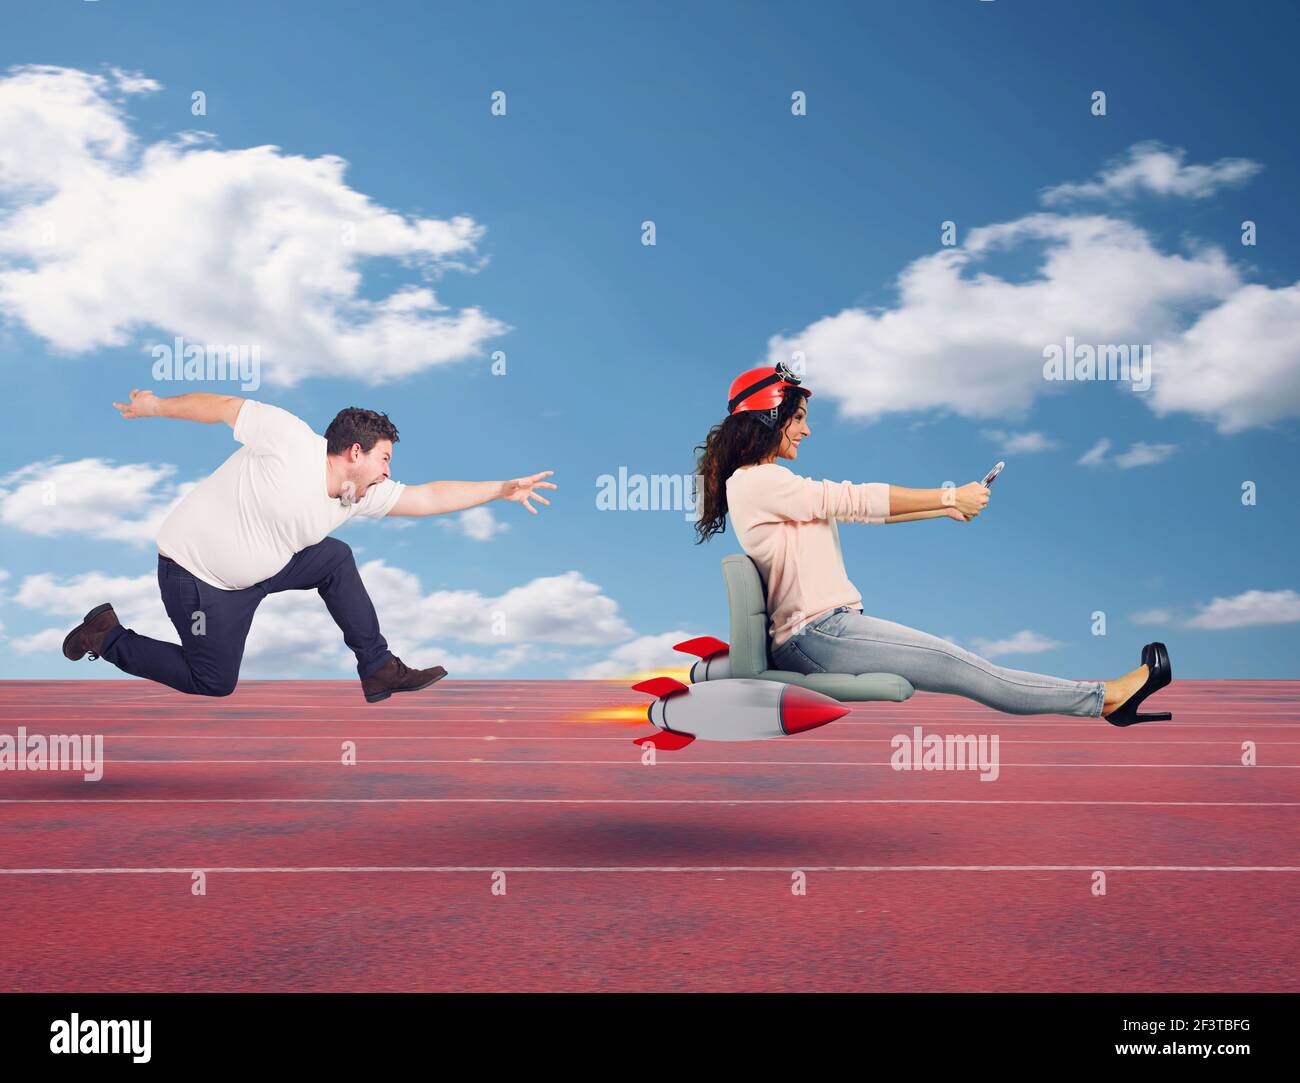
[1156, 658]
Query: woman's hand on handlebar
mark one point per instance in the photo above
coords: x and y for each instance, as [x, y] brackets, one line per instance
[971, 499]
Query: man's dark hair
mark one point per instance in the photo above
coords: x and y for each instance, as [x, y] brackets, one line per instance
[357, 426]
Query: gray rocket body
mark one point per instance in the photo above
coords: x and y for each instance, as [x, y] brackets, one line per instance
[734, 710]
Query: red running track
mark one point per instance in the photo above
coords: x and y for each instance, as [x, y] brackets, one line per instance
[622, 876]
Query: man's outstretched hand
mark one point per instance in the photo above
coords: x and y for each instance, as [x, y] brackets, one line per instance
[522, 490]
[142, 404]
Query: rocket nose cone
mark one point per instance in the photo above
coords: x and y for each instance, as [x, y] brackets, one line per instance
[803, 709]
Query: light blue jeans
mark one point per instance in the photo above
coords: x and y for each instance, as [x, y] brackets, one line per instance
[847, 641]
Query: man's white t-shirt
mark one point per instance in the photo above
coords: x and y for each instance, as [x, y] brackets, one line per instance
[267, 502]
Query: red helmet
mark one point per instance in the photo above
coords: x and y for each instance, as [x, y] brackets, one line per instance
[762, 389]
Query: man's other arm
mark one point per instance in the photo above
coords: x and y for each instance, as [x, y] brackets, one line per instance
[441, 497]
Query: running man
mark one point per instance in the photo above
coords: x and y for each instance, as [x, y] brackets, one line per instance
[260, 524]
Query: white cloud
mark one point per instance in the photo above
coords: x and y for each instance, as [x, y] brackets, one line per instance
[974, 345]
[1253, 607]
[960, 338]
[1020, 443]
[1096, 455]
[1238, 365]
[502, 661]
[1141, 454]
[1153, 616]
[90, 496]
[1023, 642]
[58, 129]
[641, 655]
[477, 523]
[133, 82]
[294, 633]
[1154, 168]
[108, 242]
[566, 609]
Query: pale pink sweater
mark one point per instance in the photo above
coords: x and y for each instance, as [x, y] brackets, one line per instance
[782, 523]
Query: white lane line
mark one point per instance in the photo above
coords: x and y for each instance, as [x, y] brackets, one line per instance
[997, 722]
[190, 869]
[432, 714]
[354, 699]
[525, 740]
[625, 801]
[987, 722]
[1282, 697]
[551, 701]
[634, 760]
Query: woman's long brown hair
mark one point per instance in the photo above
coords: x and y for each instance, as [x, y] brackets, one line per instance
[738, 440]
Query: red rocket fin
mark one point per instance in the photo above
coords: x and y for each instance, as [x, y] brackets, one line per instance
[660, 687]
[665, 740]
[701, 646]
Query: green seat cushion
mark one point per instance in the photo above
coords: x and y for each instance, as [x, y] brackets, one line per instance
[749, 640]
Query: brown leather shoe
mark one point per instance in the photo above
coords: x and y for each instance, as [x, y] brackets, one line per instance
[89, 634]
[395, 676]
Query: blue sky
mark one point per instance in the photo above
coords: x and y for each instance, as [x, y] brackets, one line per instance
[774, 232]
